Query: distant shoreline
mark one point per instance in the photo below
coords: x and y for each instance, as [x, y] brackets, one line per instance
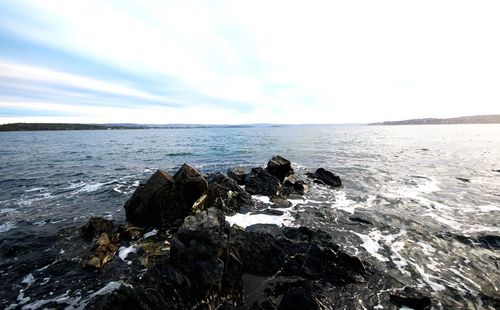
[463, 120]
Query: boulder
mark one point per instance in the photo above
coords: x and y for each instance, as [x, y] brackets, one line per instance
[267, 250]
[190, 185]
[295, 186]
[261, 182]
[279, 167]
[102, 251]
[225, 194]
[323, 176]
[201, 251]
[145, 205]
[164, 200]
[411, 298]
[95, 227]
[237, 174]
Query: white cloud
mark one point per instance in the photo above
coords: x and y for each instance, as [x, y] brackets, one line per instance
[12, 71]
[344, 61]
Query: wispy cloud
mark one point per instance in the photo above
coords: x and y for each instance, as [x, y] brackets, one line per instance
[259, 61]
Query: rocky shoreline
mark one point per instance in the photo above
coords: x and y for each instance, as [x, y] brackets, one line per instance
[186, 255]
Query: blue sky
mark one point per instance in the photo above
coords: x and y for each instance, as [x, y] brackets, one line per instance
[235, 62]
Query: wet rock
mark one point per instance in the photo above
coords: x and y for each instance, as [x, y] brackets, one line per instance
[102, 251]
[280, 202]
[293, 185]
[237, 174]
[485, 241]
[270, 212]
[164, 200]
[411, 298]
[190, 185]
[95, 227]
[225, 194]
[146, 204]
[261, 182]
[360, 218]
[323, 176]
[279, 167]
[129, 232]
[267, 250]
[201, 251]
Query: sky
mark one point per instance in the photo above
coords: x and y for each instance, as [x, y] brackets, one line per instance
[241, 62]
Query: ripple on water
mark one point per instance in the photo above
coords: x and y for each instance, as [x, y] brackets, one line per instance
[4, 227]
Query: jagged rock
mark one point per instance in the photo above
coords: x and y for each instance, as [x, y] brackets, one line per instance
[360, 218]
[190, 185]
[101, 252]
[148, 200]
[128, 232]
[267, 250]
[237, 174]
[164, 200]
[201, 250]
[279, 167]
[225, 194]
[261, 182]
[95, 227]
[280, 202]
[409, 297]
[293, 185]
[326, 177]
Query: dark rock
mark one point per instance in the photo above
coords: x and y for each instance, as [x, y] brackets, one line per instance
[101, 252]
[129, 232]
[147, 202]
[496, 170]
[295, 186]
[267, 250]
[465, 180]
[225, 194]
[298, 295]
[189, 186]
[237, 174]
[280, 202]
[164, 200]
[485, 241]
[95, 227]
[261, 182]
[270, 212]
[201, 251]
[279, 167]
[326, 177]
[405, 298]
[360, 218]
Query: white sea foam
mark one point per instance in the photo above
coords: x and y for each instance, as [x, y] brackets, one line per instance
[7, 210]
[371, 244]
[248, 219]
[487, 208]
[343, 203]
[150, 233]
[90, 187]
[35, 189]
[427, 278]
[264, 199]
[28, 280]
[4, 227]
[125, 251]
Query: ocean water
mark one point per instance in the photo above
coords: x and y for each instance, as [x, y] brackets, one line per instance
[431, 195]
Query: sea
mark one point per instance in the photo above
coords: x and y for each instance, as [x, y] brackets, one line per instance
[421, 202]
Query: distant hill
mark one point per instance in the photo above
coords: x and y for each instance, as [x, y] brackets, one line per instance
[57, 126]
[476, 119]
